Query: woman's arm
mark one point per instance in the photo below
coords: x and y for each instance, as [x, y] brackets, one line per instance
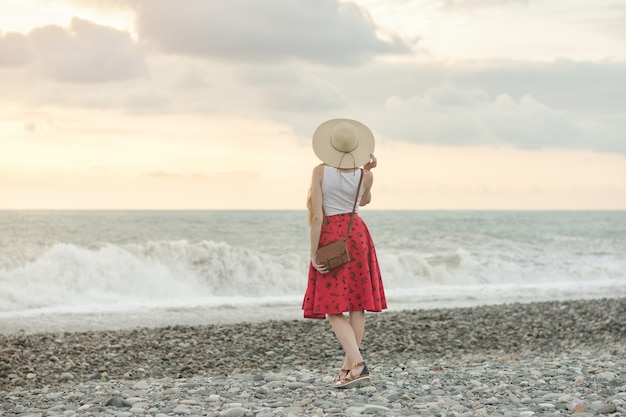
[368, 180]
[317, 216]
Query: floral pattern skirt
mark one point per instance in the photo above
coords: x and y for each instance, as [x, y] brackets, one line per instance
[356, 285]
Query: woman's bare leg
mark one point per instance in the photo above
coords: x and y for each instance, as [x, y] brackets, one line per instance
[357, 321]
[350, 334]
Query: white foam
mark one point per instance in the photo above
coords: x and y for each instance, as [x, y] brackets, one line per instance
[68, 278]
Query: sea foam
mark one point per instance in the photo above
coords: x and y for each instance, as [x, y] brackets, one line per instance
[108, 276]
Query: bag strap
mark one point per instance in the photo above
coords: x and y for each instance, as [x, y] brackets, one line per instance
[356, 198]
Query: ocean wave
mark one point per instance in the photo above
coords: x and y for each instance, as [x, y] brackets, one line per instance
[70, 275]
[162, 273]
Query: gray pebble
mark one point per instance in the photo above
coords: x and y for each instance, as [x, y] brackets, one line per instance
[607, 409]
[234, 412]
[115, 402]
[497, 361]
[66, 376]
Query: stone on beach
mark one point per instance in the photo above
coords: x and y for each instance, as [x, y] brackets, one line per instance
[554, 358]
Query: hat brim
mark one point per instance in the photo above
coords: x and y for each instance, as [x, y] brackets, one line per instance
[331, 156]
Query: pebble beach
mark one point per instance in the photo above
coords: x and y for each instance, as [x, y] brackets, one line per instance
[538, 359]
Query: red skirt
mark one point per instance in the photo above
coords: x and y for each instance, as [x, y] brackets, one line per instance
[356, 285]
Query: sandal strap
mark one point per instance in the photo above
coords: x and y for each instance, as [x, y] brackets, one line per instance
[351, 377]
[342, 374]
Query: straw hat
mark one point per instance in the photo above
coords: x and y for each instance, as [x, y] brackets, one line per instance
[343, 143]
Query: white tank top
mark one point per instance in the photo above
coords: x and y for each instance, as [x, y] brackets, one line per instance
[339, 190]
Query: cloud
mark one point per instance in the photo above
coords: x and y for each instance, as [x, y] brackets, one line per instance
[271, 60]
[478, 4]
[192, 77]
[291, 89]
[147, 101]
[565, 104]
[39, 126]
[575, 85]
[452, 115]
[614, 24]
[324, 31]
[14, 50]
[86, 53]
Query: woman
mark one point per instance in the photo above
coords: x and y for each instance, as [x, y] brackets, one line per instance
[343, 145]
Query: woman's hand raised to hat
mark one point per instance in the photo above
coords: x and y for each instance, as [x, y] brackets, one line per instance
[372, 163]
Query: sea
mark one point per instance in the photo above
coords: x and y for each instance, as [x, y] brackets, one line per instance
[111, 270]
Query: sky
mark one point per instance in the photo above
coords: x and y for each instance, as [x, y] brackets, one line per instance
[203, 104]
